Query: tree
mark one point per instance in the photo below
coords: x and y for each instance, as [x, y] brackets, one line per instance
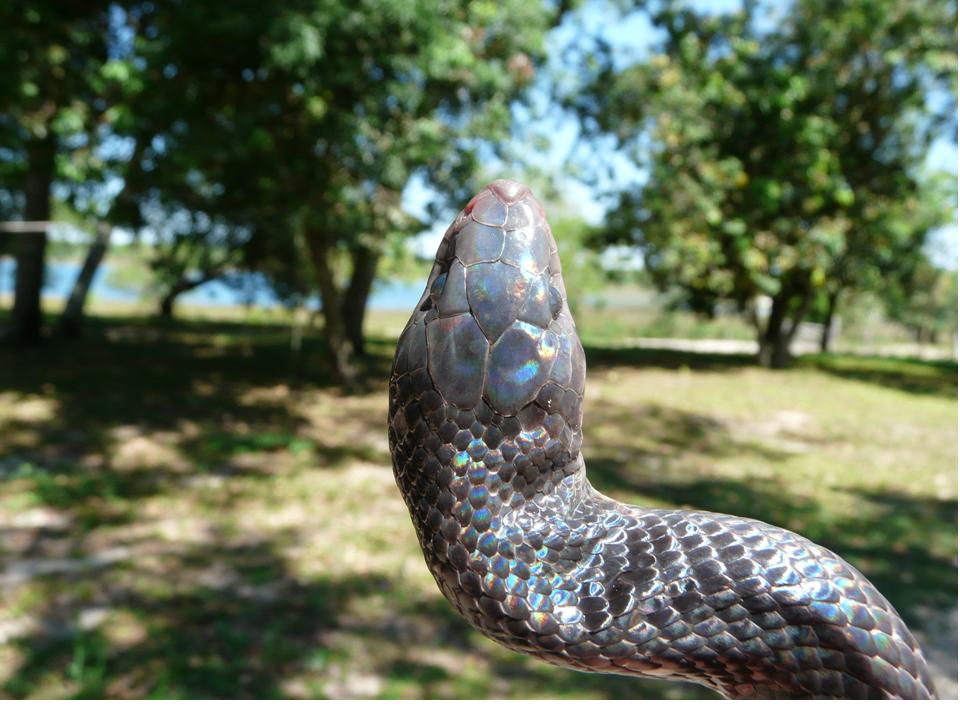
[926, 303]
[70, 324]
[194, 238]
[67, 70]
[886, 249]
[776, 157]
[53, 92]
[309, 118]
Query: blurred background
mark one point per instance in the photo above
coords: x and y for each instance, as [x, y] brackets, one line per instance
[216, 217]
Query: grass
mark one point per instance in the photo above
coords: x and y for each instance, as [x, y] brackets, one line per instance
[608, 326]
[187, 510]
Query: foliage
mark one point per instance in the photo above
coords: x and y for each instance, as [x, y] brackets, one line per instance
[55, 90]
[275, 136]
[782, 162]
[928, 305]
[56, 84]
[303, 122]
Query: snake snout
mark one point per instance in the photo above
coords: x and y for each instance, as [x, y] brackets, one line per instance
[502, 223]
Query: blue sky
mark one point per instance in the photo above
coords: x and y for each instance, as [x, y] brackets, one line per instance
[631, 39]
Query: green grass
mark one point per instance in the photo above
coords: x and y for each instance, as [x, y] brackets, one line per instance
[605, 326]
[187, 510]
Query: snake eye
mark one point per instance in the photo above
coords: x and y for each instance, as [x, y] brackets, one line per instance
[437, 286]
[556, 302]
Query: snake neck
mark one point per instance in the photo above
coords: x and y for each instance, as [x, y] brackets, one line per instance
[473, 474]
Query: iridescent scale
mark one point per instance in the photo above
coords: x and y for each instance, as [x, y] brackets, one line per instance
[485, 433]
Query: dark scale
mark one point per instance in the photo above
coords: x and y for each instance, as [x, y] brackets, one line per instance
[485, 431]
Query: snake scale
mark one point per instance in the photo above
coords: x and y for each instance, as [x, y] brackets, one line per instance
[485, 432]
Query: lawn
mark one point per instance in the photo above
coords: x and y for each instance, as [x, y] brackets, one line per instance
[188, 510]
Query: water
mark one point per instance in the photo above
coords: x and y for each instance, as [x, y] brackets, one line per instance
[250, 289]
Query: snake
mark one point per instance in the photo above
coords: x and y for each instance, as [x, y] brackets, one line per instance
[485, 432]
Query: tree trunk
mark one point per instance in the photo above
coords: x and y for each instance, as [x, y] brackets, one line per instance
[774, 351]
[27, 315]
[354, 308]
[826, 337]
[339, 347]
[71, 320]
[165, 309]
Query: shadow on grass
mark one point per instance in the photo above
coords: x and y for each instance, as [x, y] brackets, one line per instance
[922, 377]
[218, 618]
[217, 390]
[237, 632]
[648, 431]
[602, 357]
[226, 620]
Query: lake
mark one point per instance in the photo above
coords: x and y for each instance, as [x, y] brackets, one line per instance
[252, 289]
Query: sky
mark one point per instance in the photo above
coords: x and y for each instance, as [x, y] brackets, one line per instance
[631, 39]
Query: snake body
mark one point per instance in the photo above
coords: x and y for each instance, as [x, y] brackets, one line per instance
[485, 432]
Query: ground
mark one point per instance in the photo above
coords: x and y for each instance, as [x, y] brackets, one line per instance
[190, 510]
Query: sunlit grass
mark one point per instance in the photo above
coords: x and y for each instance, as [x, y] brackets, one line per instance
[187, 510]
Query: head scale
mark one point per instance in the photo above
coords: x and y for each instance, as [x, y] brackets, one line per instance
[493, 327]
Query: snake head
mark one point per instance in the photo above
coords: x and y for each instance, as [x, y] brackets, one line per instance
[493, 326]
